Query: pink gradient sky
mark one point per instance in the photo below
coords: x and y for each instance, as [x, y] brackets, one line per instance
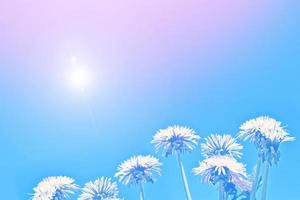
[126, 41]
[131, 27]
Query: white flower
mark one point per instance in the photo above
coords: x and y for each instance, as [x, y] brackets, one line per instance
[221, 145]
[218, 168]
[54, 188]
[175, 139]
[100, 189]
[267, 134]
[139, 170]
[265, 127]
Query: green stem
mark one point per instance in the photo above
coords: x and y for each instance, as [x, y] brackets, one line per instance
[265, 185]
[141, 192]
[256, 179]
[221, 191]
[184, 179]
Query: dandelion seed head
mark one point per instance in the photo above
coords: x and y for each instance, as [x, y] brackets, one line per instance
[217, 168]
[54, 188]
[175, 139]
[221, 145]
[138, 170]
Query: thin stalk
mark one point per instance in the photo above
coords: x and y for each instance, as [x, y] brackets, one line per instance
[256, 178]
[221, 191]
[184, 179]
[141, 192]
[265, 185]
[226, 195]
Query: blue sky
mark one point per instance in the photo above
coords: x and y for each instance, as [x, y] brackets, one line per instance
[144, 81]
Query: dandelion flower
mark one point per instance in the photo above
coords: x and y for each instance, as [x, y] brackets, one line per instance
[175, 139]
[100, 189]
[267, 134]
[219, 167]
[264, 128]
[54, 188]
[225, 171]
[221, 145]
[139, 170]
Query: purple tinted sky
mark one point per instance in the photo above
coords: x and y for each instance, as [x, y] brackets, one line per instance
[130, 29]
[126, 39]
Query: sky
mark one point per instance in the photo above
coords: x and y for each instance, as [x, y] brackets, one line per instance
[208, 65]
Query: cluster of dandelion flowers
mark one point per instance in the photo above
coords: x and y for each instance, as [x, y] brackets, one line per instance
[220, 168]
[139, 170]
[101, 189]
[221, 145]
[175, 139]
[54, 188]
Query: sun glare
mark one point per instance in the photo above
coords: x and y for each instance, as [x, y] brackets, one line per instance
[73, 59]
[80, 78]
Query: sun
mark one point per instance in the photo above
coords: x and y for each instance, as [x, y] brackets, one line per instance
[79, 75]
[80, 78]
[73, 59]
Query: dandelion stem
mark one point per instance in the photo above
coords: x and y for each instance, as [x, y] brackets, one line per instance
[141, 192]
[221, 191]
[226, 196]
[265, 185]
[256, 178]
[184, 179]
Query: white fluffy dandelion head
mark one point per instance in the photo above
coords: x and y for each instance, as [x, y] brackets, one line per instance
[54, 188]
[265, 127]
[221, 145]
[175, 139]
[100, 189]
[219, 167]
[139, 170]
